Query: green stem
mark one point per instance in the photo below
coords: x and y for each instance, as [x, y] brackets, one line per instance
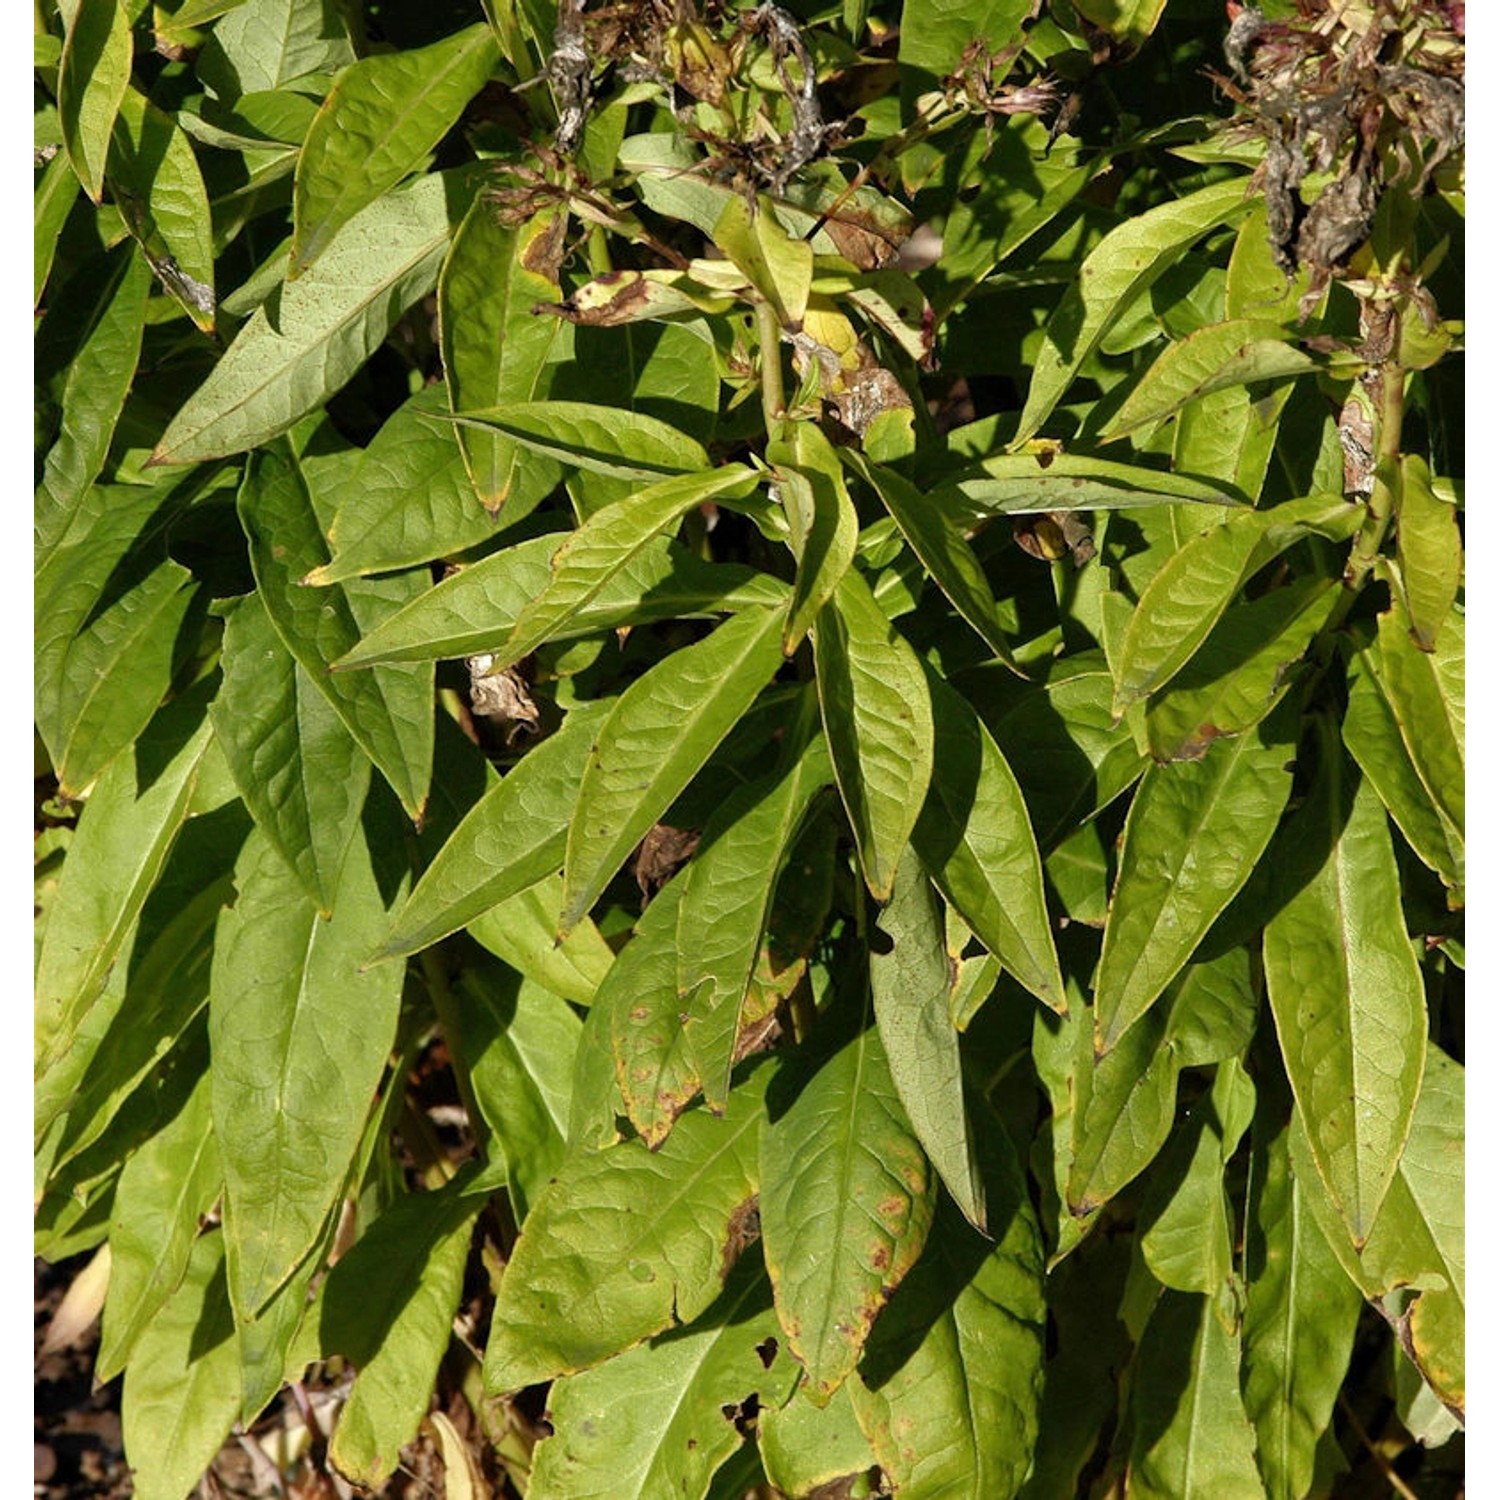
[772, 393]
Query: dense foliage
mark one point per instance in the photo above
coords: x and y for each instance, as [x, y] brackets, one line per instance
[750, 730]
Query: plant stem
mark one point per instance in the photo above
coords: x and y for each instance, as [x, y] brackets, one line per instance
[772, 393]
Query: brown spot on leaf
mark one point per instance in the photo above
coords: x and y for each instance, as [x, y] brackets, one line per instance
[742, 1232]
[880, 1258]
[662, 853]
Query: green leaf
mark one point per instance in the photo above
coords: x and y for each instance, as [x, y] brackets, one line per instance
[111, 609]
[1020, 484]
[599, 439]
[1300, 1312]
[98, 379]
[523, 931]
[934, 36]
[665, 726]
[1186, 1233]
[495, 349]
[123, 839]
[1192, 1436]
[166, 1189]
[640, 1236]
[300, 1036]
[91, 81]
[1182, 603]
[662, 1418]
[592, 557]
[726, 905]
[975, 839]
[1373, 737]
[408, 500]
[1417, 1242]
[264, 44]
[824, 524]
[846, 1196]
[182, 1389]
[1430, 550]
[160, 192]
[481, 604]
[510, 839]
[388, 1307]
[779, 267]
[942, 548]
[1234, 679]
[1242, 351]
[1123, 265]
[297, 768]
[1127, 20]
[312, 335]
[389, 712]
[52, 202]
[909, 985]
[1346, 991]
[877, 715]
[378, 122]
[518, 1042]
[949, 1389]
[1193, 836]
[1424, 692]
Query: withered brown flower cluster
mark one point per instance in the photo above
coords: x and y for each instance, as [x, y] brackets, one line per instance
[1369, 91]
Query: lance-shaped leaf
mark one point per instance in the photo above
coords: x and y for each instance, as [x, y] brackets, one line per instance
[656, 1072]
[518, 1042]
[642, 1238]
[110, 608]
[52, 202]
[665, 726]
[934, 38]
[1127, 1100]
[1300, 1312]
[1119, 268]
[494, 349]
[264, 44]
[510, 839]
[1424, 691]
[388, 712]
[1241, 351]
[664, 1417]
[726, 903]
[599, 439]
[1430, 550]
[480, 605]
[1418, 1238]
[91, 80]
[299, 771]
[1373, 737]
[1194, 833]
[1021, 484]
[1233, 680]
[877, 715]
[388, 1307]
[522, 930]
[408, 500]
[823, 521]
[779, 267]
[164, 203]
[909, 987]
[165, 1190]
[608, 542]
[1192, 1436]
[124, 836]
[1346, 991]
[951, 1383]
[377, 123]
[940, 544]
[803, 1446]
[182, 1388]
[306, 341]
[846, 1198]
[300, 1035]
[1186, 598]
[975, 839]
